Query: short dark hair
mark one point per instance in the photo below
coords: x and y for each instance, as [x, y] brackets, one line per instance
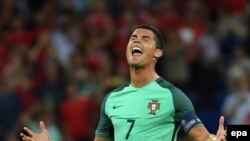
[160, 39]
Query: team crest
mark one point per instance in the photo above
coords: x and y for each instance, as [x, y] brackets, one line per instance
[153, 107]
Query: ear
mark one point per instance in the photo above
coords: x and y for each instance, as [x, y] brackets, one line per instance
[158, 53]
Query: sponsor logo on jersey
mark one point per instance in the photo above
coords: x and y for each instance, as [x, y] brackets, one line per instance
[153, 107]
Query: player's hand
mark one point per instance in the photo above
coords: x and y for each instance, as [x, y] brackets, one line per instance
[221, 133]
[32, 136]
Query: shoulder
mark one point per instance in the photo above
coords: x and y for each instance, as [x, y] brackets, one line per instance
[118, 89]
[180, 99]
[171, 87]
[115, 91]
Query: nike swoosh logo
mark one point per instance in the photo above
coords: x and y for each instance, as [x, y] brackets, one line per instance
[114, 107]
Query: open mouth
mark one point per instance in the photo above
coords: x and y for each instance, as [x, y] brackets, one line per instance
[136, 51]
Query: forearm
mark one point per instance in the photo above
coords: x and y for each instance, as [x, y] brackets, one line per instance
[199, 134]
[208, 137]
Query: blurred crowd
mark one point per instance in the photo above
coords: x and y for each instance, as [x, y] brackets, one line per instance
[59, 58]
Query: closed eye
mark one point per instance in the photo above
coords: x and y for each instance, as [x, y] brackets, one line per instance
[145, 38]
[132, 37]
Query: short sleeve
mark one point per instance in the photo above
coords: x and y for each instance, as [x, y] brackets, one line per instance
[184, 110]
[105, 126]
[182, 103]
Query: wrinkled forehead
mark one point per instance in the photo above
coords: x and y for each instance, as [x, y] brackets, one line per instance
[143, 32]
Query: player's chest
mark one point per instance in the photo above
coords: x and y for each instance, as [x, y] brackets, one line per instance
[141, 104]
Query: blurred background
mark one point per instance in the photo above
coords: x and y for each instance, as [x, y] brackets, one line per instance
[59, 58]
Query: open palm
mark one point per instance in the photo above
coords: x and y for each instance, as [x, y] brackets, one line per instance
[32, 136]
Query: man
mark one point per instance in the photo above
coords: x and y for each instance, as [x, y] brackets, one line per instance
[148, 108]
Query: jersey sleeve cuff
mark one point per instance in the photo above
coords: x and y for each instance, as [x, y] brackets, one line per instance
[189, 121]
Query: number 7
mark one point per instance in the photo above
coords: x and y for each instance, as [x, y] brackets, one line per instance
[130, 128]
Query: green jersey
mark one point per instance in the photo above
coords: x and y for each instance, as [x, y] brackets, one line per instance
[150, 113]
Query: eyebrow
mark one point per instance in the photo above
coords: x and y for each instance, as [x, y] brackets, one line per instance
[144, 36]
[133, 35]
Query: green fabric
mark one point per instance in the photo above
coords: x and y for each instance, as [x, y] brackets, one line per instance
[148, 113]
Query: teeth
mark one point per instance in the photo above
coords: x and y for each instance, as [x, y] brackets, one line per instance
[136, 48]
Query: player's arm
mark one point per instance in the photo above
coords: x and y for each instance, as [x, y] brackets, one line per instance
[104, 130]
[97, 138]
[191, 124]
[200, 133]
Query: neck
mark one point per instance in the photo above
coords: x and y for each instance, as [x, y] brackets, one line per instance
[142, 76]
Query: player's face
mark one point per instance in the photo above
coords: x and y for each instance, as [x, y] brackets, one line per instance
[141, 48]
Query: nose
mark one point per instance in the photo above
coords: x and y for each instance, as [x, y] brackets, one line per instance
[136, 40]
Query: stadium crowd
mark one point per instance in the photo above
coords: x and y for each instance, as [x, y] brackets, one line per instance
[59, 58]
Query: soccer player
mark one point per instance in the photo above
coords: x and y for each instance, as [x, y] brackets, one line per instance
[149, 108]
